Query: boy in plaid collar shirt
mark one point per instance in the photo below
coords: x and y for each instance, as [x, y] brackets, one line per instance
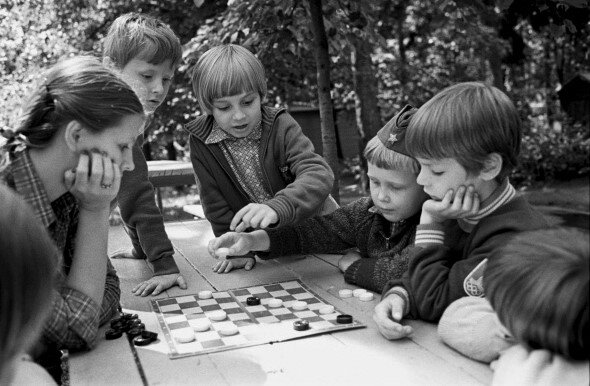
[254, 166]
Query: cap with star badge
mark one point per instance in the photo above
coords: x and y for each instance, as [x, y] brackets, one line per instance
[393, 134]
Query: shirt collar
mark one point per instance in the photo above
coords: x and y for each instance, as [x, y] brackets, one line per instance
[502, 195]
[218, 135]
[28, 184]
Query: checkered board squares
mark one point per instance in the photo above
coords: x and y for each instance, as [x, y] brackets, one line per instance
[289, 293]
[256, 324]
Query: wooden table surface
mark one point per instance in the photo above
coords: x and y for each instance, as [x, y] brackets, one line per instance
[352, 357]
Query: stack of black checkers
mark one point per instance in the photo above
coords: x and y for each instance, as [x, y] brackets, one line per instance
[132, 325]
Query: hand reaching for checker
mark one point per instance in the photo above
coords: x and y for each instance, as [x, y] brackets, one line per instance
[256, 216]
[95, 181]
[464, 203]
[231, 244]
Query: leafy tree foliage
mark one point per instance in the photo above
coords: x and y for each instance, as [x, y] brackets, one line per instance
[415, 48]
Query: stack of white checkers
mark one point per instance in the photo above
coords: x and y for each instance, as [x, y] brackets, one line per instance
[359, 293]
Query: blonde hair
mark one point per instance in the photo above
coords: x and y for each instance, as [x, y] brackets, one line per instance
[377, 154]
[26, 279]
[224, 71]
[134, 35]
[538, 285]
[467, 122]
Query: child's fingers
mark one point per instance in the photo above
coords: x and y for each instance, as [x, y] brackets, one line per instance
[238, 218]
[256, 219]
[158, 290]
[468, 200]
[458, 199]
[241, 227]
[181, 281]
[217, 267]
[266, 221]
[249, 264]
[229, 266]
[475, 205]
[447, 198]
[212, 246]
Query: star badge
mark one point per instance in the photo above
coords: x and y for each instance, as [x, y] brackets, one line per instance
[392, 139]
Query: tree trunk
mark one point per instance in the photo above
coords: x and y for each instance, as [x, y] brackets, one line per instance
[322, 59]
[368, 116]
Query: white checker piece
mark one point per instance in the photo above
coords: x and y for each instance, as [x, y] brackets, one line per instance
[256, 324]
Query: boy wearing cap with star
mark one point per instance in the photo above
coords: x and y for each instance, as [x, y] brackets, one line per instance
[382, 226]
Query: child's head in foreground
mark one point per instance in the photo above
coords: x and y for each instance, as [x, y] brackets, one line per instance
[145, 52]
[392, 173]
[467, 134]
[538, 286]
[230, 84]
[26, 279]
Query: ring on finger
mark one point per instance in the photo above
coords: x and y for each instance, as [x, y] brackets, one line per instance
[106, 186]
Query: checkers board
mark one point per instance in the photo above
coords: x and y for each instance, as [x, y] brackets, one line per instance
[256, 325]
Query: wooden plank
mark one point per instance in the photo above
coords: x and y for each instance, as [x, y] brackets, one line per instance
[359, 356]
[324, 277]
[111, 362]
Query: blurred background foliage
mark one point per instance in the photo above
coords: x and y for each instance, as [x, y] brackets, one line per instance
[385, 53]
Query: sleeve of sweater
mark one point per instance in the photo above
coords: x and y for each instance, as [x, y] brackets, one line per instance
[141, 214]
[374, 273]
[217, 210]
[331, 233]
[436, 276]
[313, 176]
[470, 326]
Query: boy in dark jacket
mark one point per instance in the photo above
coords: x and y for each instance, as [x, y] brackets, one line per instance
[144, 52]
[382, 226]
[254, 166]
[466, 139]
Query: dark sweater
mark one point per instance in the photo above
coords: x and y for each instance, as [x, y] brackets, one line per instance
[438, 273]
[384, 246]
[299, 179]
[142, 218]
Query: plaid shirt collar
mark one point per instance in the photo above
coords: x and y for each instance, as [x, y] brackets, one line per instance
[218, 135]
[28, 184]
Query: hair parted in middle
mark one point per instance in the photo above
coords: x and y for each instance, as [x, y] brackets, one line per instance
[538, 284]
[224, 71]
[467, 122]
[137, 36]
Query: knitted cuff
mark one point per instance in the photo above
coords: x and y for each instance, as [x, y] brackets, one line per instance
[350, 274]
[429, 234]
[283, 241]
